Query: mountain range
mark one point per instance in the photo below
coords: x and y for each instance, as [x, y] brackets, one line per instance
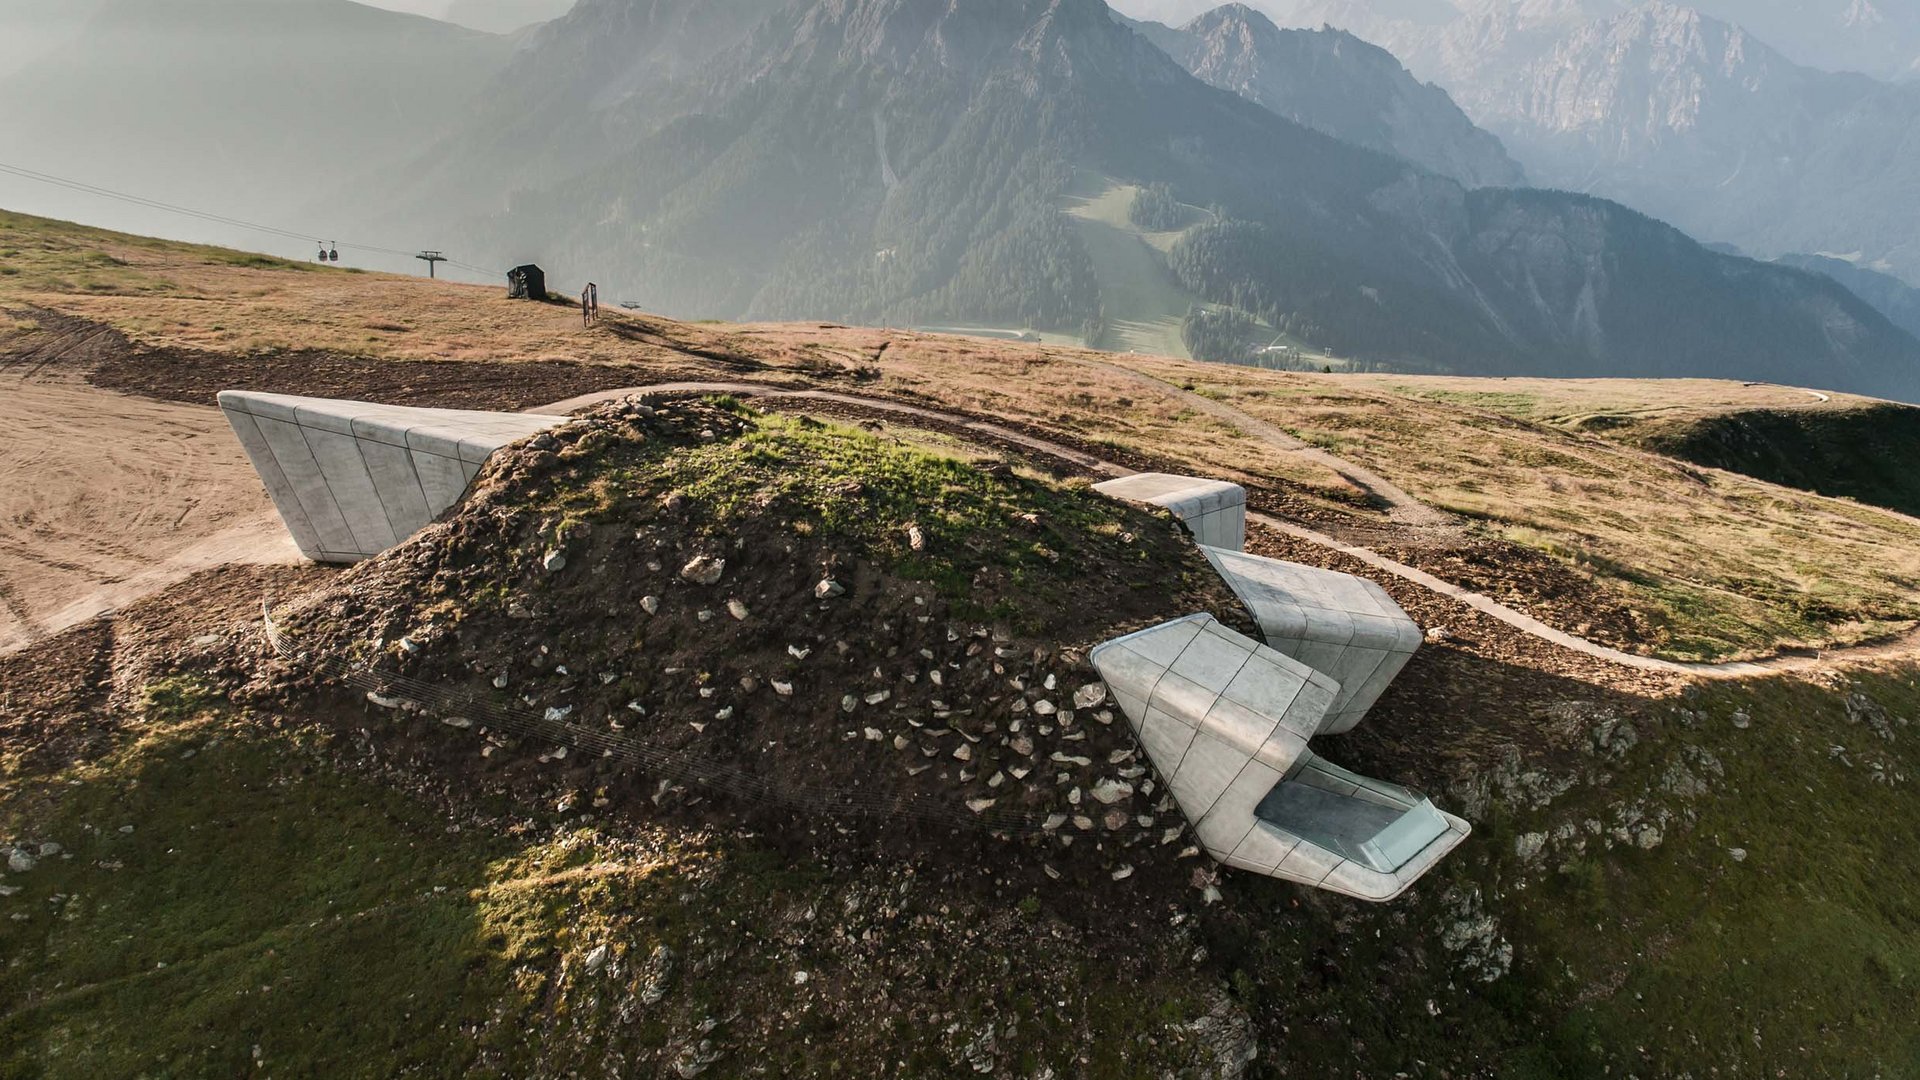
[1692, 117]
[921, 162]
[1333, 82]
[1873, 37]
[1699, 123]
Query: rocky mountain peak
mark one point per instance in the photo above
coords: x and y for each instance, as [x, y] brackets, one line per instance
[1336, 83]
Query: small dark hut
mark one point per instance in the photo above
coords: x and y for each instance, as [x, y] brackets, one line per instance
[527, 282]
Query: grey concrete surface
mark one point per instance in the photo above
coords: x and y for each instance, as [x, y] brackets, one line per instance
[1227, 720]
[1345, 626]
[1215, 511]
[352, 479]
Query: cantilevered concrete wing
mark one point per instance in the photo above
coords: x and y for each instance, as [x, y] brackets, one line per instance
[1345, 626]
[1214, 511]
[352, 479]
[1226, 721]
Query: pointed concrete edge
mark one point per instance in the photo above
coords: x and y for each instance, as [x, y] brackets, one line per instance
[1225, 722]
[1334, 622]
[352, 479]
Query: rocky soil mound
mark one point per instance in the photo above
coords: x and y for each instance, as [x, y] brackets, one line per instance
[830, 620]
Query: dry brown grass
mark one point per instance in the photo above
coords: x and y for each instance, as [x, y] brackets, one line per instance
[1727, 565]
[1724, 564]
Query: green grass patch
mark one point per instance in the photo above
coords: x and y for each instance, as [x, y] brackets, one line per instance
[845, 487]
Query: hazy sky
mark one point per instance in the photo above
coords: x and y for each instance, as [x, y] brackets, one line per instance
[434, 8]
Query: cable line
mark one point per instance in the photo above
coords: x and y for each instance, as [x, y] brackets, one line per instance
[219, 219]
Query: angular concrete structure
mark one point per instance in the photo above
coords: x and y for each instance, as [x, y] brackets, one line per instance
[1345, 626]
[1226, 721]
[1213, 510]
[352, 479]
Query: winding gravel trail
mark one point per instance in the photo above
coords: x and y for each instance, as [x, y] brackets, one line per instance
[1905, 647]
[1402, 508]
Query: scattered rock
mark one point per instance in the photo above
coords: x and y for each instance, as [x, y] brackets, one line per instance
[597, 959]
[980, 806]
[1108, 792]
[916, 539]
[654, 975]
[1741, 720]
[704, 570]
[1123, 873]
[828, 589]
[1739, 854]
[737, 609]
[20, 862]
[650, 605]
[1089, 695]
[1528, 848]
[554, 562]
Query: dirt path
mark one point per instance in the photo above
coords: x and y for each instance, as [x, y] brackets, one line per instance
[1905, 647]
[1402, 508]
[105, 498]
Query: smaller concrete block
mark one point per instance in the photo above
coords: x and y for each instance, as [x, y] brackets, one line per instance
[1214, 508]
[309, 483]
[285, 498]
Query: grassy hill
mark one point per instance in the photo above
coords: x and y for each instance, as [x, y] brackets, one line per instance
[301, 880]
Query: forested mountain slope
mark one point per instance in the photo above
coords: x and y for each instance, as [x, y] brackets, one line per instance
[906, 160]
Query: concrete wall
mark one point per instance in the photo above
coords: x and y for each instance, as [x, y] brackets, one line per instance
[352, 479]
[1213, 510]
[1345, 626]
[1226, 721]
